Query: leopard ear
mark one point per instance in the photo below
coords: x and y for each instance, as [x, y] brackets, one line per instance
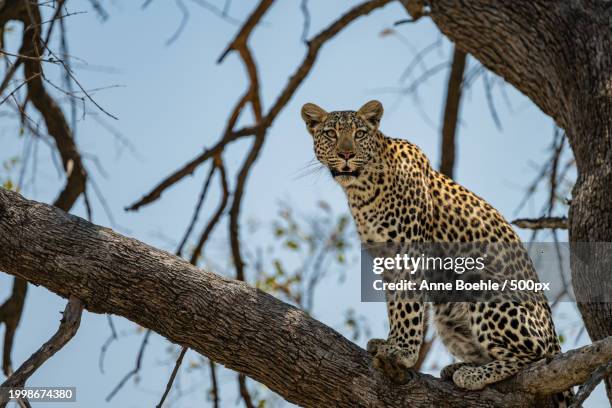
[313, 115]
[372, 112]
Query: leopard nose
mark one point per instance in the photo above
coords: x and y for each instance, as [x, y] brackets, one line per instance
[346, 155]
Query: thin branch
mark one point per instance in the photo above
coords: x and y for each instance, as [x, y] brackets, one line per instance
[9, 74]
[136, 368]
[587, 388]
[53, 116]
[244, 33]
[177, 365]
[541, 223]
[76, 81]
[418, 58]
[196, 211]
[182, 24]
[214, 384]
[14, 91]
[57, 16]
[10, 314]
[214, 220]
[244, 391]
[66, 331]
[192, 165]
[222, 13]
[99, 9]
[295, 80]
[490, 102]
[306, 16]
[112, 337]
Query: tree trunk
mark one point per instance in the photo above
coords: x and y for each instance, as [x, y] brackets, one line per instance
[559, 54]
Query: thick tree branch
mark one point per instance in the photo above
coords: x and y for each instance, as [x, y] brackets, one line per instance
[232, 323]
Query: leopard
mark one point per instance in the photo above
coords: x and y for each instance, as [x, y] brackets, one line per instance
[395, 195]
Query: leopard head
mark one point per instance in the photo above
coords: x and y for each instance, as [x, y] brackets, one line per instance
[346, 142]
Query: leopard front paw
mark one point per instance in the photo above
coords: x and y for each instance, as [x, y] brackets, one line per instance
[447, 372]
[392, 360]
[373, 346]
[469, 378]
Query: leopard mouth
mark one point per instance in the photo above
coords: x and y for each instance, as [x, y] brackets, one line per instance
[345, 173]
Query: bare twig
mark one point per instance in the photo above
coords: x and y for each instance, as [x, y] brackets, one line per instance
[195, 255]
[136, 368]
[53, 116]
[10, 314]
[14, 91]
[214, 386]
[490, 102]
[295, 80]
[182, 24]
[196, 211]
[99, 9]
[222, 13]
[418, 58]
[9, 74]
[66, 331]
[177, 365]
[306, 16]
[587, 388]
[112, 337]
[541, 223]
[244, 391]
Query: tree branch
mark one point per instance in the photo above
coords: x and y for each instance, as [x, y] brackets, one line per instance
[31, 53]
[67, 329]
[451, 112]
[295, 80]
[541, 223]
[232, 323]
[10, 314]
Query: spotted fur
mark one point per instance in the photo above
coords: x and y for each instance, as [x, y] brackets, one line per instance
[396, 196]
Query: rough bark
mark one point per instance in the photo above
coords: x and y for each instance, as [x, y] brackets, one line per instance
[559, 54]
[234, 324]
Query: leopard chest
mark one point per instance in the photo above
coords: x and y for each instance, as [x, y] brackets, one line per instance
[382, 215]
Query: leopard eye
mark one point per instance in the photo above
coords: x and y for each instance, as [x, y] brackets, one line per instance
[360, 134]
[330, 133]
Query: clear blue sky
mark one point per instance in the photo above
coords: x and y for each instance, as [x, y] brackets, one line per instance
[174, 100]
